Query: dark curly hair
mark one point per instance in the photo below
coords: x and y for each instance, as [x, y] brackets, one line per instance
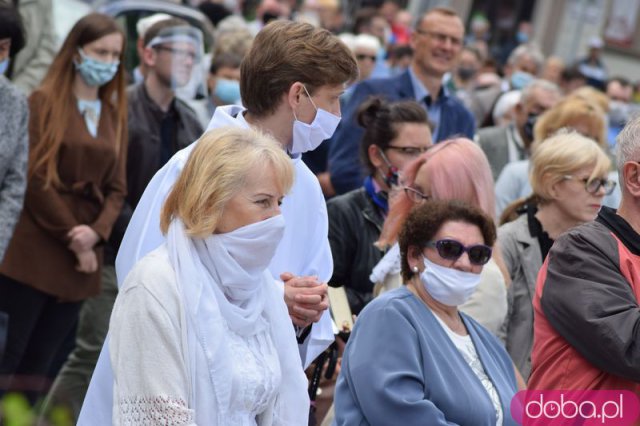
[426, 219]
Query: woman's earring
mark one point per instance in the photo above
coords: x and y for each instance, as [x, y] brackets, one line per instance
[415, 269]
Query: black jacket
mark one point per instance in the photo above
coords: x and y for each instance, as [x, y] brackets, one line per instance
[355, 223]
[144, 154]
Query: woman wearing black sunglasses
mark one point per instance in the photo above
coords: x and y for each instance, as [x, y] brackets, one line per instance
[569, 180]
[413, 358]
[456, 169]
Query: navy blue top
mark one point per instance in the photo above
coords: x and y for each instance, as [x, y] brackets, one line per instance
[345, 167]
[401, 368]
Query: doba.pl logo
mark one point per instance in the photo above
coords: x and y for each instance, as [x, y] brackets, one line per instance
[587, 408]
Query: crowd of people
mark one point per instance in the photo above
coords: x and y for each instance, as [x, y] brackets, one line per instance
[168, 241]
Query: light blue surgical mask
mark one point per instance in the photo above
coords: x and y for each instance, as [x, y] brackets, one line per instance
[228, 91]
[522, 37]
[4, 66]
[520, 79]
[95, 72]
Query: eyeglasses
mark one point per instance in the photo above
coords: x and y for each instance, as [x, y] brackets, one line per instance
[593, 186]
[178, 53]
[415, 195]
[410, 151]
[440, 37]
[479, 254]
[362, 57]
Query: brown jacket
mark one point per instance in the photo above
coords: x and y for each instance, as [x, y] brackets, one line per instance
[94, 187]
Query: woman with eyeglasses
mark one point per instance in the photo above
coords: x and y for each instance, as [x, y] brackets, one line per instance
[413, 358]
[452, 170]
[576, 112]
[569, 180]
[395, 134]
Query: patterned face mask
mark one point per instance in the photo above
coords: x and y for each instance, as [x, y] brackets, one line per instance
[95, 72]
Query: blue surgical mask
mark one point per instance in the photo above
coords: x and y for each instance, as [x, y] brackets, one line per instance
[520, 80]
[228, 91]
[618, 113]
[95, 72]
[4, 66]
[522, 37]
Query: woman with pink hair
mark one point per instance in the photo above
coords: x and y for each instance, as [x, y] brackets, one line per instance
[456, 169]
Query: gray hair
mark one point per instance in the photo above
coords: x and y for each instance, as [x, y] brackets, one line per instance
[541, 84]
[523, 50]
[628, 144]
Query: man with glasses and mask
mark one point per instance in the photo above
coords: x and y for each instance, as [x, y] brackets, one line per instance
[504, 145]
[292, 92]
[159, 124]
[437, 43]
[586, 316]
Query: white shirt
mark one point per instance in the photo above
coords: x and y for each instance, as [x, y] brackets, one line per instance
[304, 250]
[158, 343]
[467, 349]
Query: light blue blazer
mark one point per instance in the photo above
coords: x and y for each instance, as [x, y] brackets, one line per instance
[400, 368]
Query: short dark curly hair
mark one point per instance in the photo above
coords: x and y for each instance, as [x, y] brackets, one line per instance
[426, 219]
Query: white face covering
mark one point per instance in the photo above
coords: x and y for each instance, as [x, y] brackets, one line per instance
[225, 286]
[448, 286]
[307, 137]
[237, 259]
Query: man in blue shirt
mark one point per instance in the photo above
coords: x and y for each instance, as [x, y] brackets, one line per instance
[437, 43]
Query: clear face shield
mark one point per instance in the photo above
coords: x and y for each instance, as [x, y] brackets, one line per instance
[179, 60]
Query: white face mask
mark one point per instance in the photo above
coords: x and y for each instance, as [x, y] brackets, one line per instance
[237, 259]
[307, 137]
[448, 286]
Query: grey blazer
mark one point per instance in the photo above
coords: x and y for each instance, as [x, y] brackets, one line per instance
[523, 260]
[494, 141]
[14, 147]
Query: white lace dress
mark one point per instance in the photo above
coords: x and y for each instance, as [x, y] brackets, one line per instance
[256, 377]
[148, 351]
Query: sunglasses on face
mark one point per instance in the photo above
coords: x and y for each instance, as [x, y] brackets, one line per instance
[479, 254]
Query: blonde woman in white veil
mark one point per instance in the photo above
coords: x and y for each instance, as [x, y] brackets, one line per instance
[200, 333]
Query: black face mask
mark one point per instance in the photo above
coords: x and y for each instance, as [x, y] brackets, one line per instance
[466, 74]
[268, 17]
[528, 126]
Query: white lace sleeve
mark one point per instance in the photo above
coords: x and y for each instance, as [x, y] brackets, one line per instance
[388, 265]
[151, 385]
